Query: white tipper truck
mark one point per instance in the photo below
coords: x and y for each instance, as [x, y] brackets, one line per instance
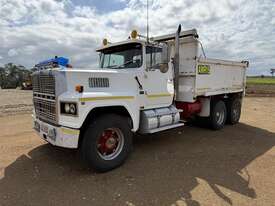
[141, 86]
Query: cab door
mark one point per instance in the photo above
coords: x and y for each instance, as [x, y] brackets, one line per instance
[158, 84]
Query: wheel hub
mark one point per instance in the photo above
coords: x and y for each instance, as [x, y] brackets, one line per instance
[110, 143]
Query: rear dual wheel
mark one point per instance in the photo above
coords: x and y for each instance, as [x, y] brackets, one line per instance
[218, 114]
[221, 112]
[234, 107]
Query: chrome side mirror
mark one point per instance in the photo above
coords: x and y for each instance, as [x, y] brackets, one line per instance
[163, 66]
[164, 54]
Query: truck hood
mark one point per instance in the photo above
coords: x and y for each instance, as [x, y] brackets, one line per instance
[95, 70]
[101, 80]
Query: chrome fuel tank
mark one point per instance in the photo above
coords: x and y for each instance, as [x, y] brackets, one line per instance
[157, 118]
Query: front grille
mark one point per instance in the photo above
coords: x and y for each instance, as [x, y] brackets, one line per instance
[44, 97]
[43, 83]
[45, 109]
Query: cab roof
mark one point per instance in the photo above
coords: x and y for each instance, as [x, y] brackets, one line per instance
[128, 41]
[163, 38]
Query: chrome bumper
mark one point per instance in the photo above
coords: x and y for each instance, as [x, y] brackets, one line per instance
[56, 135]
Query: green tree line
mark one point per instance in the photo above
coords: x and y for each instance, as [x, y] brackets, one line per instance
[12, 75]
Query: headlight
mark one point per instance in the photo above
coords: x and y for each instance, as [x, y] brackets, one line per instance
[72, 108]
[68, 108]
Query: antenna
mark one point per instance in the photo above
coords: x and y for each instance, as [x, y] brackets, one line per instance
[147, 22]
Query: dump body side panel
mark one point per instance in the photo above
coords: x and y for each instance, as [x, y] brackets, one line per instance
[200, 76]
[219, 77]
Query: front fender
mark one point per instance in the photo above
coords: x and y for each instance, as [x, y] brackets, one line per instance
[87, 102]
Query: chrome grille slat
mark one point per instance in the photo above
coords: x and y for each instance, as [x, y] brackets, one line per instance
[50, 100]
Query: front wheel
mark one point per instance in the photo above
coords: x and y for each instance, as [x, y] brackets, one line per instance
[107, 142]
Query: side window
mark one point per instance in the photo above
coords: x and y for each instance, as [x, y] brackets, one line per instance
[153, 56]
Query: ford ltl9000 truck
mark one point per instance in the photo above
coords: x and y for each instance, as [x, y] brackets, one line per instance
[141, 86]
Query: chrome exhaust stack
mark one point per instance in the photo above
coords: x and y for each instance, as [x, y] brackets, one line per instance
[176, 60]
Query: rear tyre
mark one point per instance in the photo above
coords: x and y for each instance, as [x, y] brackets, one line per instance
[218, 115]
[107, 142]
[234, 108]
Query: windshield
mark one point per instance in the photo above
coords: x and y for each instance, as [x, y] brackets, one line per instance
[122, 56]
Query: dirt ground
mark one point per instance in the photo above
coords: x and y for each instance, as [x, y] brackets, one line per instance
[187, 166]
[15, 101]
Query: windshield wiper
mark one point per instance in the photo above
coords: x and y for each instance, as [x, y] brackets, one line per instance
[110, 67]
[121, 66]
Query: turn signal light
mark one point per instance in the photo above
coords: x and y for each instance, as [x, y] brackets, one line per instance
[79, 88]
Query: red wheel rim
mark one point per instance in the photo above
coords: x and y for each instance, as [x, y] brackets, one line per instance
[110, 143]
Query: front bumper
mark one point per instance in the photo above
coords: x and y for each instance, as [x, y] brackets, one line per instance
[57, 135]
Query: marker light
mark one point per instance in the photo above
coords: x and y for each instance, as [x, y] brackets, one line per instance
[105, 42]
[134, 34]
[79, 88]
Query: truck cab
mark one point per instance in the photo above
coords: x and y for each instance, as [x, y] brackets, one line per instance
[140, 86]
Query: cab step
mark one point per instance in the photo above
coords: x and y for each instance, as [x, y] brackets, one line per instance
[151, 131]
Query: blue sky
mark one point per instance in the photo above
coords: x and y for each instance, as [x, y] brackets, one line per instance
[35, 30]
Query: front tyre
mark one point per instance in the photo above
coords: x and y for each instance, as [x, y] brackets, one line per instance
[107, 142]
[218, 114]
